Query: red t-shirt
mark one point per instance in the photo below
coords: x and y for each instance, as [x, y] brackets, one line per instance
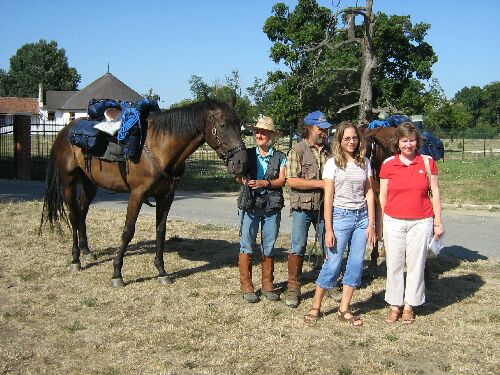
[407, 188]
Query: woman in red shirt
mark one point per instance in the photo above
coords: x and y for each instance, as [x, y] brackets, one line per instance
[411, 218]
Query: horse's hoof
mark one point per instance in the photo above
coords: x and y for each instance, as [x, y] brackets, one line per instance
[89, 257]
[75, 267]
[117, 283]
[165, 280]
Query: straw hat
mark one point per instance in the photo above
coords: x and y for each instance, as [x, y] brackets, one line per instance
[265, 123]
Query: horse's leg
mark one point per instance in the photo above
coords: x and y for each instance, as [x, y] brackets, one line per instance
[86, 196]
[134, 206]
[74, 215]
[378, 225]
[163, 205]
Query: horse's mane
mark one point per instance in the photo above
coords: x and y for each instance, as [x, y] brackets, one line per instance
[185, 121]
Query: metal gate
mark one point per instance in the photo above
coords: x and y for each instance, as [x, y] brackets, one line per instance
[7, 161]
[41, 137]
[43, 134]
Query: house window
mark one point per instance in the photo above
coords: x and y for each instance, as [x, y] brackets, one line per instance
[51, 116]
[71, 116]
[3, 121]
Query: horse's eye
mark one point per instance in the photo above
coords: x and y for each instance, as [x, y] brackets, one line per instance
[222, 124]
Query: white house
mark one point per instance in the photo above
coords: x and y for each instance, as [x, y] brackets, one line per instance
[63, 106]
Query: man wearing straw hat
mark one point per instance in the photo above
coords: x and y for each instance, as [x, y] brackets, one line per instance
[305, 162]
[260, 203]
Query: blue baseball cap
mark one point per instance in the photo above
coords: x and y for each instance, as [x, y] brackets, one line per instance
[317, 118]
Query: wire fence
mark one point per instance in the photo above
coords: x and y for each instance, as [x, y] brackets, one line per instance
[469, 145]
[204, 169]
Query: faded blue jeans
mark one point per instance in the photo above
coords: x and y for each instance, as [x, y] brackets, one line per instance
[348, 225]
[301, 221]
[270, 226]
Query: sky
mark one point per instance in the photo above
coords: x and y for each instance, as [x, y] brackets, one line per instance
[160, 44]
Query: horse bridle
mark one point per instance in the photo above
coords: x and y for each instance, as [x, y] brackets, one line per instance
[225, 154]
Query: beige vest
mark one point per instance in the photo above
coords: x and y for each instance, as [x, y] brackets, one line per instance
[310, 170]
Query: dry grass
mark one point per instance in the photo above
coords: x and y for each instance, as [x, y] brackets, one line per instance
[56, 322]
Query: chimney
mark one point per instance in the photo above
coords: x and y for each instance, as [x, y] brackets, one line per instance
[40, 95]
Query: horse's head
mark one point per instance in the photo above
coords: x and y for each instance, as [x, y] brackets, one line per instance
[222, 133]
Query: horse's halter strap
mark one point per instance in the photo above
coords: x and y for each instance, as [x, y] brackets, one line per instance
[221, 150]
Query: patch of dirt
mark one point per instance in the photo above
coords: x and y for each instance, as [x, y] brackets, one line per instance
[54, 321]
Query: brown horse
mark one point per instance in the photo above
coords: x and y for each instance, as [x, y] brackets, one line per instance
[171, 136]
[378, 148]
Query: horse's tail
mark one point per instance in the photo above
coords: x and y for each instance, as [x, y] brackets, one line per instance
[53, 203]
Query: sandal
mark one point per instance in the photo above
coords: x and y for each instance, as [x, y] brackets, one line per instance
[393, 316]
[354, 321]
[310, 317]
[407, 317]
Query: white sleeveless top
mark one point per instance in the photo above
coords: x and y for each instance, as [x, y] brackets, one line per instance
[349, 183]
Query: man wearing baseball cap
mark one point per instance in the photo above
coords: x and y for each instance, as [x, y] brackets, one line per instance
[304, 168]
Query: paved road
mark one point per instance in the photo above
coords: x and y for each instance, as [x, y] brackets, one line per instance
[470, 234]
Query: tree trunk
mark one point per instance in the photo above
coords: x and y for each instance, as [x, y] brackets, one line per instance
[369, 63]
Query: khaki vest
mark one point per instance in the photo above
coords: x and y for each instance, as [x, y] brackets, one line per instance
[310, 170]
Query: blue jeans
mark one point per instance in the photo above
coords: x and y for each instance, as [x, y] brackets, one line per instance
[301, 221]
[348, 225]
[270, 226]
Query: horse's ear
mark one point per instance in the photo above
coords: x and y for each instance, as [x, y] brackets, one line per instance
[232, 100]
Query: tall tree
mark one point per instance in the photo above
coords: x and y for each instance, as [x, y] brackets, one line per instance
[35, 63]
[342, 67]
[472, 98]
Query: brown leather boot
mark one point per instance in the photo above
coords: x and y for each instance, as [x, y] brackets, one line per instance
[294, 273]
[268, 279]
[245, 265]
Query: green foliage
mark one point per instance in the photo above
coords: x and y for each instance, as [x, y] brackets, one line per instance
[472, 98]
[473, 110]
[318, 75]
[223, 92]
[405, 60]
[151, 95]
[35, 63]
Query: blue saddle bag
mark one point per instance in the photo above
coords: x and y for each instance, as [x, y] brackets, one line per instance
[84, 135]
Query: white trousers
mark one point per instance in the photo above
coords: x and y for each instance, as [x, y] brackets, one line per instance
[406, 244]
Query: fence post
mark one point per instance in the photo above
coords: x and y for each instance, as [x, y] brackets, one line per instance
[484, 143]
[22, 146]
[463, 146]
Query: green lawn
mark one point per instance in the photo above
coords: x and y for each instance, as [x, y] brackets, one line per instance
[474, 181]
[470, 181]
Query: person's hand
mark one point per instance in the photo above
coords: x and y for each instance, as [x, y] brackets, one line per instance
[256, 184]
[329, 239]
[370, 234]
[438, 230]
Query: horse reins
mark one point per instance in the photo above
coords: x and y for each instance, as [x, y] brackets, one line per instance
[164, 174]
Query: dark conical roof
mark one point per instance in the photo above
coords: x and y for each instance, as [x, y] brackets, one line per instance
[105, 87]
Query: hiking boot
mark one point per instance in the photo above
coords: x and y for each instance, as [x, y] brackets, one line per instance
[245, 266]
[268, 279]
[292, 299]
[294, 274]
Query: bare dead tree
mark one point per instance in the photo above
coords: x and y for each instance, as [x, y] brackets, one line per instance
[368, 56]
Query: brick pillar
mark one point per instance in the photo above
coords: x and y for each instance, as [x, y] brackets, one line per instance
[22, 142]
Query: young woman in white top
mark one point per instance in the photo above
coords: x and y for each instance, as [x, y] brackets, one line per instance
[349, 216]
